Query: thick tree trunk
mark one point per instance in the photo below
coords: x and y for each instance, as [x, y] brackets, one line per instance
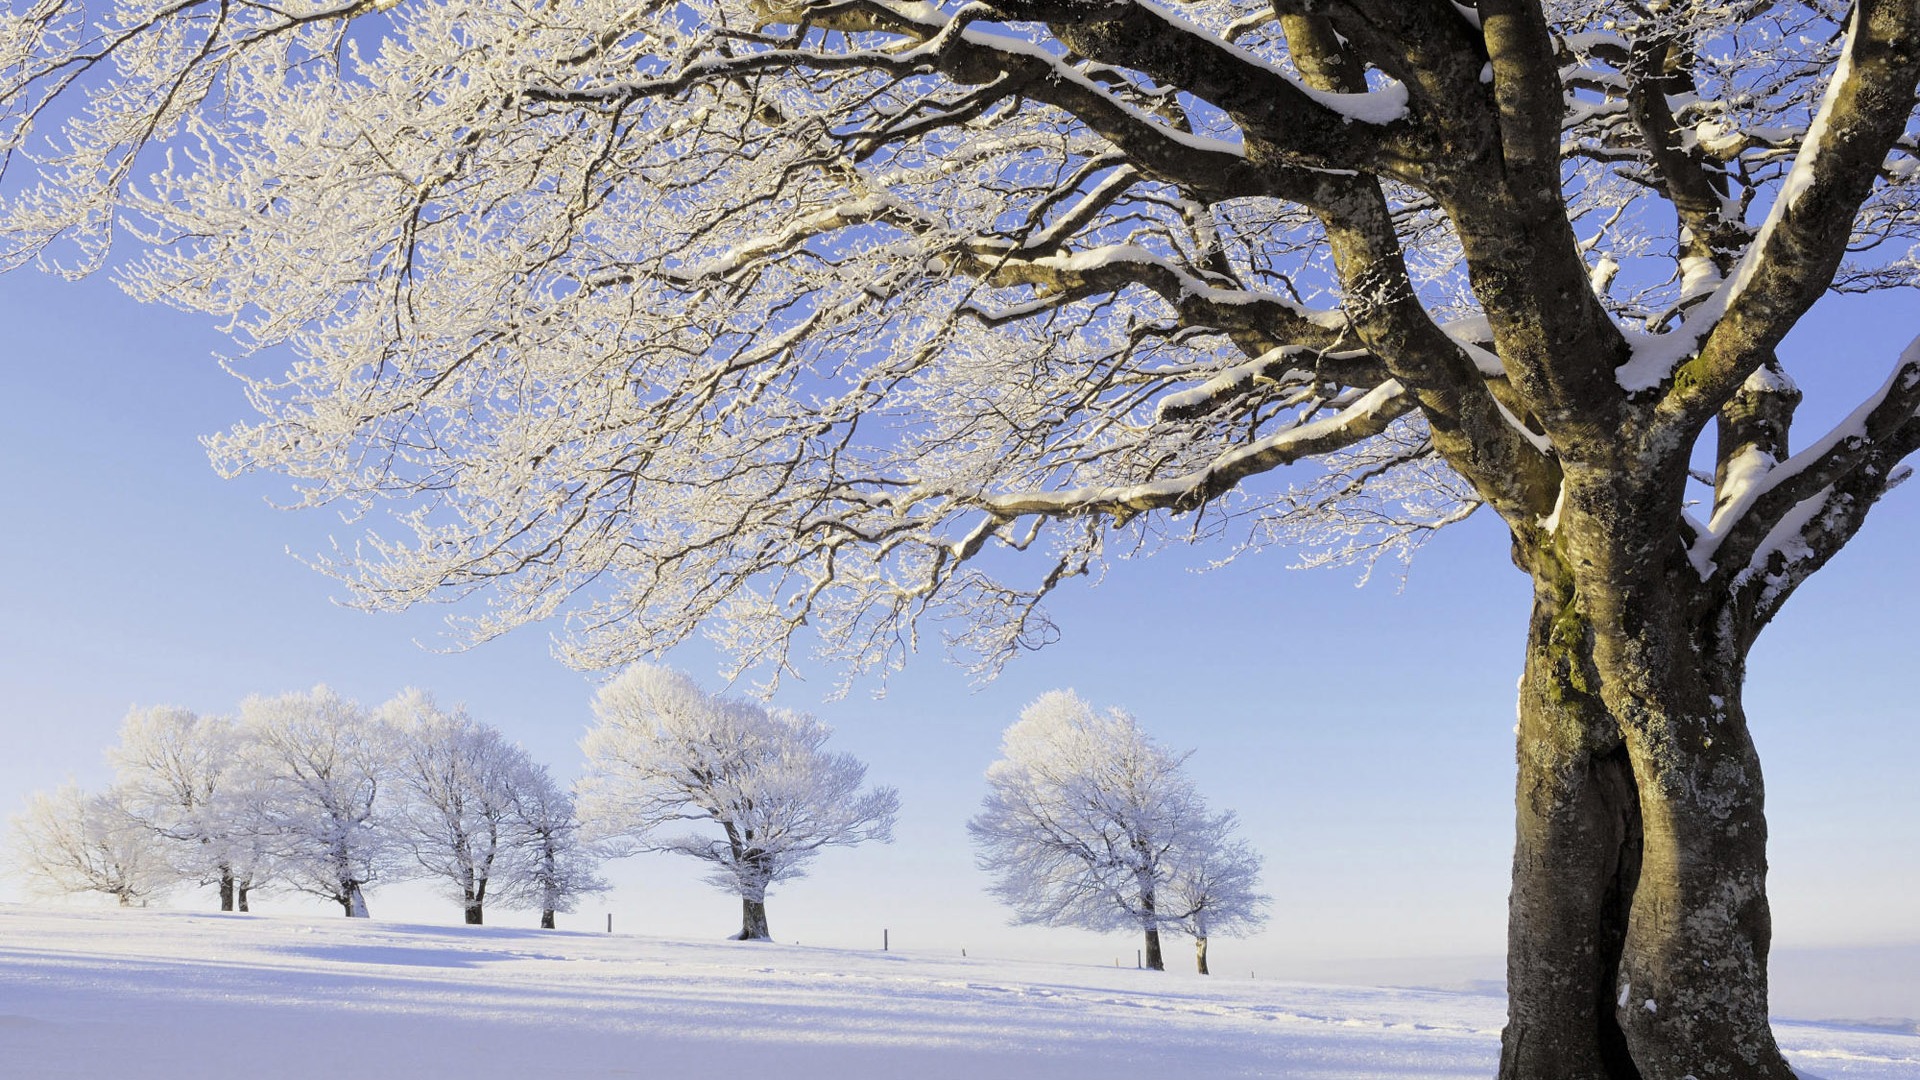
[546, 919]
[1638, 925]
[226, 889]
[1575, 861]
[753, 921]
[1154, 960]
[1200, 954]
[240, 890]
[475, 892]
[355, 902]
[1693, 975]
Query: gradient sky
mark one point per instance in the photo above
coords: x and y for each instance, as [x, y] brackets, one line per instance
[1364, 735]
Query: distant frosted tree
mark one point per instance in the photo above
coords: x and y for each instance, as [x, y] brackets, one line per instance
[70, 841]
[1086, 820]
[666, 752]
[1213, 884]
[458, 780]
[174, 768]
[552, 864]
[320, 793]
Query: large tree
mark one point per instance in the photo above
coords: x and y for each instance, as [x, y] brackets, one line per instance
[1089, 822]
[458, 781]
[666, 753]
[317, 779]
[770, 314]
[174, 768]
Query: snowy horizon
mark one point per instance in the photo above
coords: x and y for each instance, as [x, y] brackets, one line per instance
[140, 993]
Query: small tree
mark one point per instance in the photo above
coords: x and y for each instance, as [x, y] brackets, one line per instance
[458, 780]
[1088, 822]
[665, 752]
[1214, 882]
[552, 865]
[319, 794]
[73, 842]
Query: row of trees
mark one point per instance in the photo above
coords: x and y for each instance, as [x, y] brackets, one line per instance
[1088, 822]
[316, 793]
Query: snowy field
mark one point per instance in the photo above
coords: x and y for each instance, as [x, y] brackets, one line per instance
[163, 994]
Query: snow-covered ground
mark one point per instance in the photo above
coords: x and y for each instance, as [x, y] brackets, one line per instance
[166, 994]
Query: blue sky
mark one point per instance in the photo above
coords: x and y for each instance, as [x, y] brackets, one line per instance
[1364, 735]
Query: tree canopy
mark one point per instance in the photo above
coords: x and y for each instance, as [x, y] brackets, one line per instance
[760, 315]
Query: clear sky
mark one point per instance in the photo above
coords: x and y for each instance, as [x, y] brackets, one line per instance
[1364, 735]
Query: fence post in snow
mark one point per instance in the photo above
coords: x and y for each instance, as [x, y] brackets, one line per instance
[884, 945]
[609, 922]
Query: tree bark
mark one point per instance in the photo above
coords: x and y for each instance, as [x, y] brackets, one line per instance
[1693, 974]
[1638, 922]
[226, 888]
[753, 921]
[546, 919]
[1575, 862]
[475, 892]
[1200, 954]
[240, 891]
[355, 902]
[1154, 960]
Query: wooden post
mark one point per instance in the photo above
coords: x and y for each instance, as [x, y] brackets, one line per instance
[609, 922]
[1137, 962]
[884, 946]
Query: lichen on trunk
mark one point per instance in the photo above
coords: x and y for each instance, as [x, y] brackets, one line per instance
[1638, 927]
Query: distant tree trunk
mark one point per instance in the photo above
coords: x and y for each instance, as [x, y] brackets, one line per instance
[546, 919]
[1638, 923]
[476, 899]
[1149, 908]
[240, 890]
[1200, 954]
[753, 921]
[474, 915]
[226, 887]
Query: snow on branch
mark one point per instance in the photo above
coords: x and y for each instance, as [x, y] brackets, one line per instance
[1366, 416]
[783, 322]
[1795, 251]
[1780, 523]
